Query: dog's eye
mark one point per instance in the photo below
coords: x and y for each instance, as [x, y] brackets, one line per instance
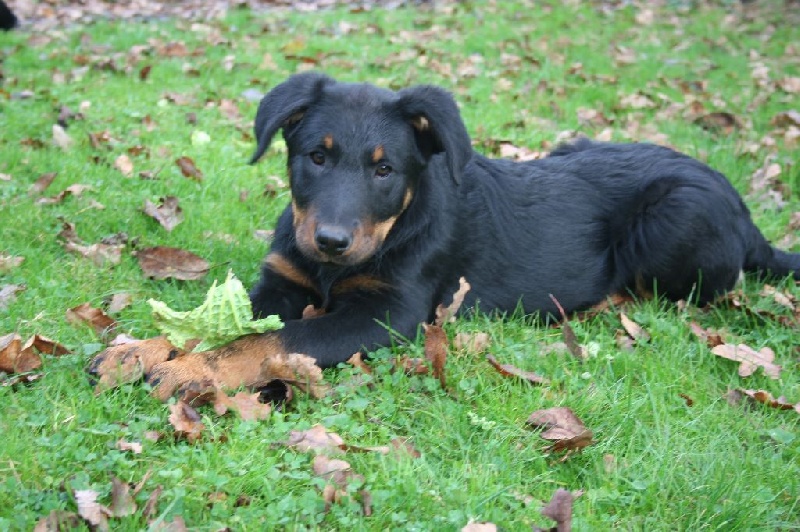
[317, 157]
[383, 170]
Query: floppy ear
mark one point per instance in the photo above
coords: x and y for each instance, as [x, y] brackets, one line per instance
[437, 125]
[284, 105]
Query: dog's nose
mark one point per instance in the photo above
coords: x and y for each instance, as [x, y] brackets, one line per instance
[332, 240]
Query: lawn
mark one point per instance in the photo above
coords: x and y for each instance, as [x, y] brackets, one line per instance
[673, 449]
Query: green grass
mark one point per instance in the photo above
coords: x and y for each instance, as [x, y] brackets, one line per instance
[709, 466]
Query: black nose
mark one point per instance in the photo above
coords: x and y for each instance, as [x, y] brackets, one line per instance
[332, 240]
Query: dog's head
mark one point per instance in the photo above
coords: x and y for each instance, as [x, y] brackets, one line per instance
[357, 154]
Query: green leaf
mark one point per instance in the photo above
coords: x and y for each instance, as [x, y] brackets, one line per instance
[225, 315]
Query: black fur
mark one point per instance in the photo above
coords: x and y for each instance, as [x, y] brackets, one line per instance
[591, 220]
[8, 20]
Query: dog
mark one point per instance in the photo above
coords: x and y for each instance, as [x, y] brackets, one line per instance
[391, 206]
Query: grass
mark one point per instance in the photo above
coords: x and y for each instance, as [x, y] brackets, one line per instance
[658, 464]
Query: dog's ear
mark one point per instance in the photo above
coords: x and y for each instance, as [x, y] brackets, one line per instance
[437, 124]
[284, 105]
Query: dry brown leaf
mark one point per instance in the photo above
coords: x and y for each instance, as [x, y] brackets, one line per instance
[94, 317]
[412, 366]
[246, 405]
[164, 262]
[47, 346]
[58, 521]
[122, 503]
[689, 400]
[473, 342]
[9, 262]
[709, 336]
[168, 213]
[559, 509]
[357, 362]
[76, 190]
[91, 510]
[8, 293]
[108, 251]
[512, 371]
[750, 359]
[61, 138]
[570, 340]
[296, 369]
[719, 121]
[188, 168]
[782, 298]
[124, 164]
[479, 527]
[16, 357]
[735, 397]
[316, 439]
[790, 85]
[119, 302]
[786, 119]
[339, 473]
[436, 351]
[130, 361]
[134, 447]
[562, 427]
[42, 183]
[633, 329]
[447, 314]
[150, 508]
[186, 421]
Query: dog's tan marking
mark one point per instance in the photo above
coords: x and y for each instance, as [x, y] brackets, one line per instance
[328, 141]
[407, 198]
[377, 155]
[364, 283]
[420, 123]
[283, 267]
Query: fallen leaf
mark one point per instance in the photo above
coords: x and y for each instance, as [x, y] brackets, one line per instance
[150, 508]
[559, 509]
[412, 366]
[786, 119]
[58, 521]
[789, 85]
[124, 164]
[709, 336]
[122, 503]
[356, 362]
[689, 400]
[512, 371]
[316, 439]
[16, 357]
[479, 527]
[73, 190]
[8, 293]
[100, 253]
[735, 397]
[571, 341]
[47, 346]
[186, 421]
[719, 121]
[634, 330]
[246, 405]
[563, 427]
[130, 361]
[94, 317]
[167, 213]
[91, 510]
[119, 302]
[447, 314]
[61, 138]
[42, 183]
[188, 168]
[165, 262]
[472, 342]
[750, 359]
[436, 351]
[9, 262]
[298, 370]
[134, 447]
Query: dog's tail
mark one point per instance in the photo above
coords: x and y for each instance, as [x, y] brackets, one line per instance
[766, 260]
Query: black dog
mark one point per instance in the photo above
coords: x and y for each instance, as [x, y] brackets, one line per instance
[391, 206]
[8, 20]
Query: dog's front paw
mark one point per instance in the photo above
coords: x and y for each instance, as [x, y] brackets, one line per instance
[129, 362]
[172, 376]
